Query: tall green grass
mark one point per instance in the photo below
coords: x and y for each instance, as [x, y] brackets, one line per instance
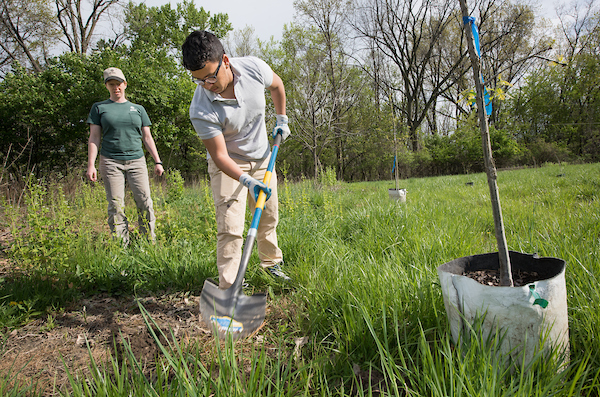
[365, 287]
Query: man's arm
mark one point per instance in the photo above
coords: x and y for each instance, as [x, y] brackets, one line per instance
[281, 120]
[278, 94]
[218, 152]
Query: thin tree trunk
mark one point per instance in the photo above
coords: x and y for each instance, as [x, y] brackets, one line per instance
[490, 168]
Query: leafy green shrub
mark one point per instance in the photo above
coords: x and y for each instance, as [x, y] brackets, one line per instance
[421, 163]
[45, 236]
[505, 149]
[548, 152]
[457, 153]
[175, 185]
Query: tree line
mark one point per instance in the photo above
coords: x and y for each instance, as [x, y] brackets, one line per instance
[367, 81]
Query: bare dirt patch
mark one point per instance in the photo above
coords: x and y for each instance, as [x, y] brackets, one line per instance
[97, 326]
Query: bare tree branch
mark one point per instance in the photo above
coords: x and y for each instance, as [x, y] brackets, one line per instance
[77, 28]
[22, 23]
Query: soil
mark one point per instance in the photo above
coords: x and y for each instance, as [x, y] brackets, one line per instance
[37, 350]
[492, 277]
[44, 352]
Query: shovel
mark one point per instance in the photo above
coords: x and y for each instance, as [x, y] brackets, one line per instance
[230, 311]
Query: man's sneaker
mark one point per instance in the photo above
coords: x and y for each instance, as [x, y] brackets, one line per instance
[276, 272]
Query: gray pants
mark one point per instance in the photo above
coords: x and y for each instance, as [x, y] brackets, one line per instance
[116, 173]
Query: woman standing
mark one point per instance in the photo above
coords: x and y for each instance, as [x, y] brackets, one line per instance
[122, 126]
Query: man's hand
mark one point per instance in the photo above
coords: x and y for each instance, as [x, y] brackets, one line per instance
[281, 127]
[254, 185]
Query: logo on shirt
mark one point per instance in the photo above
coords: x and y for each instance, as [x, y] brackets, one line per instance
[132, 109]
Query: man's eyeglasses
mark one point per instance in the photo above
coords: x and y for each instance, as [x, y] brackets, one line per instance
[210, 80]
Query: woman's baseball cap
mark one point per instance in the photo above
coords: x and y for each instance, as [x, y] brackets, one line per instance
[114, 74]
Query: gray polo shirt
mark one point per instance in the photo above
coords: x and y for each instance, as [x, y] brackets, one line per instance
[240, 120]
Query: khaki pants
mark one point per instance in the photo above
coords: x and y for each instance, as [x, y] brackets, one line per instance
[115, 174]
[230, 198]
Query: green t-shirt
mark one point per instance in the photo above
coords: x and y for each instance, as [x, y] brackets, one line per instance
[121, 128]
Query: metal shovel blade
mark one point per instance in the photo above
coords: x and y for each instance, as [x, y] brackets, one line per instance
[230, 312]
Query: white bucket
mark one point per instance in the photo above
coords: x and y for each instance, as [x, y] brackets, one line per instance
[516, 312]
[398, 194]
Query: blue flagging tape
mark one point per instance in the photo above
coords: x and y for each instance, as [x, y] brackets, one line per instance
[486, 95]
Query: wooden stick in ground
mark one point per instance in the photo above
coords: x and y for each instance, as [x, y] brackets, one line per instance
[396, 171]
[490, 168]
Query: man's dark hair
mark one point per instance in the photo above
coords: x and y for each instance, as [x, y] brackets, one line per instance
[201, 47]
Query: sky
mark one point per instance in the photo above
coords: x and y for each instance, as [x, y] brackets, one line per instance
[267, 17]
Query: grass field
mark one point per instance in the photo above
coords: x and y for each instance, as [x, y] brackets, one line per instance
[365, 290]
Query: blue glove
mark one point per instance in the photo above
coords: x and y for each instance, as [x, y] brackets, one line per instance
[254, 185]
[281, 127]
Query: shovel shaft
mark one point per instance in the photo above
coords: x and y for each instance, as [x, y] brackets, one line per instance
[260, 205]
[262, 197]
